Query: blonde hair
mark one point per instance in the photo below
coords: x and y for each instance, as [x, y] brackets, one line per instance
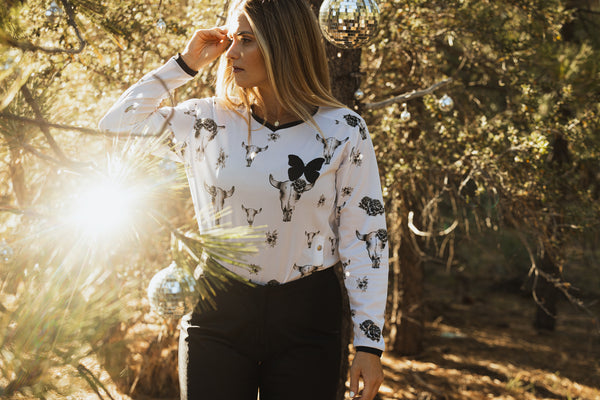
[290, 40]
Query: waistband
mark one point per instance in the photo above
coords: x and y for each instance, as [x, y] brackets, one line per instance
[315, 279]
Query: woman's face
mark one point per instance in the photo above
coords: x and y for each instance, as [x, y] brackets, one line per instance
[245, 56]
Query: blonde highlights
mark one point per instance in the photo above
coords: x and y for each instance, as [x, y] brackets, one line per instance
[289, 38]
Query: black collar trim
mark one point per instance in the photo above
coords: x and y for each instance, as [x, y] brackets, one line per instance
[282, 126]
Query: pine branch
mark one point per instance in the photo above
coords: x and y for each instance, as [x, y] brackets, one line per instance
[47, 124]
[38, 114]
[407, 96]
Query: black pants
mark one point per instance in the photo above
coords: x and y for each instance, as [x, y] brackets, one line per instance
[284, 341]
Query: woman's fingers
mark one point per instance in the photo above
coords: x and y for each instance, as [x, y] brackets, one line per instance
[367, 367]
[205, 46]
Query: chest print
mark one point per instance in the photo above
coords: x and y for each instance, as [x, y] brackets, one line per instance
[338, 210]
[371, 206]
[344, 266]
[251, 152]
[362, 283]
[371, 330]
[310, 236]
[291, 190]
[306, 269]
[211, 127]
[207, 124]
[354, 121]
[174, 146]
[271, 238]
[356, 157]
[289, 194]
[254, 269]
[217, 198]
[221, 159]
[273, 136]
[321, 202]
[329, 146]
[250, 214]
[333, 241]
[375, 242]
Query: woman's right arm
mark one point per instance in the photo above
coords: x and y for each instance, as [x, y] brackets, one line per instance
[137, 112]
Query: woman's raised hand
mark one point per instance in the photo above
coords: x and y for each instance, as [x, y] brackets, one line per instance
[204, 47]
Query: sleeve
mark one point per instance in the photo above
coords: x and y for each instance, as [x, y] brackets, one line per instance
[137, 111]
[363, 239]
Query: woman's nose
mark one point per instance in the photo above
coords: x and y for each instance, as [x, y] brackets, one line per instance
[232, 52]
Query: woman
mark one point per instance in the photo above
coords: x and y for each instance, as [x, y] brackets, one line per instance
[280, 152]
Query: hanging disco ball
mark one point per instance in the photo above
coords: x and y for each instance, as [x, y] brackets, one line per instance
[54, 12]
[445, 103]
[172, 292]
[359, 94]
[405, 116]
[161, 25]
[349, 23]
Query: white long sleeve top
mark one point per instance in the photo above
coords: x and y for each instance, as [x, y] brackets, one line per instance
[318, 199]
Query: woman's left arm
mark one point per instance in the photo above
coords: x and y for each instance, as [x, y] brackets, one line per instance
[363, 252]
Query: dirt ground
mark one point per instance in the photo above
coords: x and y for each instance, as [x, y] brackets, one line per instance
[484, 347]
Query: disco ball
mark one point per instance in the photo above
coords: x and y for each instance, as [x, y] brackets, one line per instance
[405, 116]
[172, 292]
[445, 103]
[349, 23]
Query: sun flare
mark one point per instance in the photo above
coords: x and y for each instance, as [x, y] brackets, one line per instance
[105, 208]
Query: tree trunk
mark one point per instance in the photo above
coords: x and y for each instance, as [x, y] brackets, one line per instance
[407, 316]
[547, 296]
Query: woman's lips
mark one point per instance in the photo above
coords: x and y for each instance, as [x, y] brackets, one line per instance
[237, 69]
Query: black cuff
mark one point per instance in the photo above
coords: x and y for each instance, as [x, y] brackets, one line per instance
[370, 350]
[184, 66]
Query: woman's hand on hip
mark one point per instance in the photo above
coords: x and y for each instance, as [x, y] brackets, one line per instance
[367, 367]
[204, 47]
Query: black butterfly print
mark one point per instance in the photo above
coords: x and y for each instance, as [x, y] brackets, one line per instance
[310, 170]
